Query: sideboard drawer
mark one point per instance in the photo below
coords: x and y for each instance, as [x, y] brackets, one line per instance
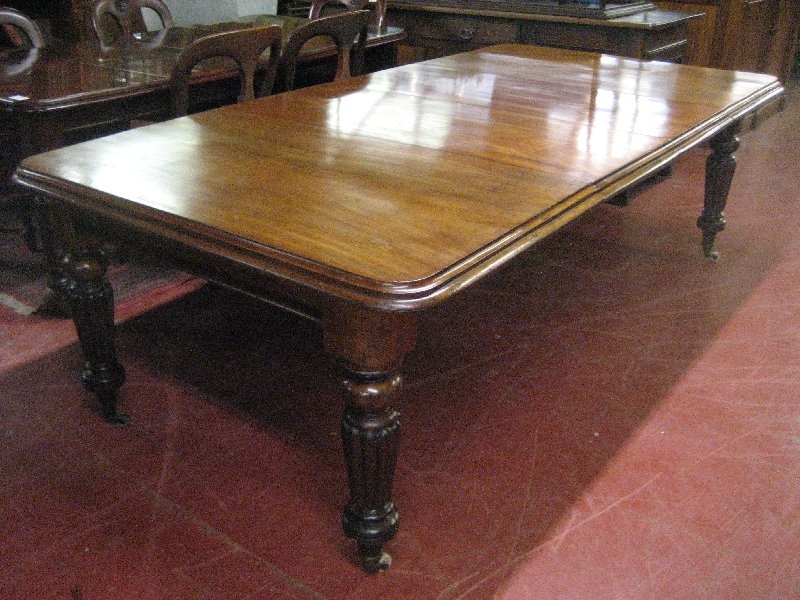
[431, 34]
[668, 46]
[472, 30]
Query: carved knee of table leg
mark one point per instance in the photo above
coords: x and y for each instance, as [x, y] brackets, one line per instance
[91, 302]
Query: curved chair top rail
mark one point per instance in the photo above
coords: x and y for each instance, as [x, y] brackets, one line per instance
[13, 21]
[348, 30]
[244, 47]
[128, 16]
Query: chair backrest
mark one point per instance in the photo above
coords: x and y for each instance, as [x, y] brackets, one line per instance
[348, 30]
[244, 47]
[14, 22]
[379, 18]
[115, 19]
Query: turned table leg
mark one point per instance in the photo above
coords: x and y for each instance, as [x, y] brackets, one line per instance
[720, 167]
[370, 434]
[91, 304]
[370, 346]
[78, 278]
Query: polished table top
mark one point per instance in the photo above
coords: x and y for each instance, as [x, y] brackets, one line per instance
[397, 188]
[61, 77]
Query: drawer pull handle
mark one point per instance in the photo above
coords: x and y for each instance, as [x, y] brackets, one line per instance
[467, 33]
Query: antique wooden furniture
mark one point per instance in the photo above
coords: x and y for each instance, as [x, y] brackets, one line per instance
[748, 35]
[437, 29]
[244, 46]
[114, 20]
[20, 29]
[364, 201]
[342, 29]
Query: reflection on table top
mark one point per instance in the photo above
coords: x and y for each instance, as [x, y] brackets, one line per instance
[58, 77]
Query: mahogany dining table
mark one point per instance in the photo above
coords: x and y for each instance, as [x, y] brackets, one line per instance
[363, 202]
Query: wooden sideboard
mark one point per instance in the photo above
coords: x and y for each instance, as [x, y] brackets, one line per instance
[435, 30]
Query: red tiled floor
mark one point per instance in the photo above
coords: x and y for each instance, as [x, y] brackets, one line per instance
[612, 416]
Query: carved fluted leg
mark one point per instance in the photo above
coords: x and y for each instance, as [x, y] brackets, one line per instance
[370, 432]
[91, 303]
[720, 167]
[370, 345]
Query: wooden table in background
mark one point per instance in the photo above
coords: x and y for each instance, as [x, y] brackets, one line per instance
[363, 202]
[53, 96]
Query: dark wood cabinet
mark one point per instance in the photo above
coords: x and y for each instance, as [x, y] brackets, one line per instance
[435, 30]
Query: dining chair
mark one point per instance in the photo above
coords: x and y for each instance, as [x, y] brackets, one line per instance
[348, 30]
[113, 20]
[244, 47]
[318, 7]
[21, 30]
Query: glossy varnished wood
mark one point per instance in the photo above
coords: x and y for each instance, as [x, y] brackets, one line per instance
[370, 198]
